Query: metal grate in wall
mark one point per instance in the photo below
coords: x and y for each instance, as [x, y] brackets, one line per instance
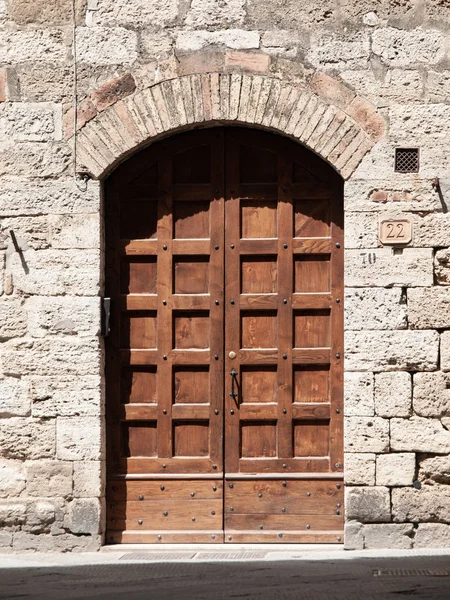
[407, 160]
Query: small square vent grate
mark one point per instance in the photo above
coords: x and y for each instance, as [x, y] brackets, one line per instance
[407, 160]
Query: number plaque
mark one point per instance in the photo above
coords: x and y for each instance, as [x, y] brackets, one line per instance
[395, 232]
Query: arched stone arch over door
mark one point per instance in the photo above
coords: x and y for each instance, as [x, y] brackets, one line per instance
[224, 362]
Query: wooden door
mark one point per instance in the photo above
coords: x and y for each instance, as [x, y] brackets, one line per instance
[224, 254]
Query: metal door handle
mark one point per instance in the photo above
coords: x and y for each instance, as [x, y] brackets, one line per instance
[233, 392]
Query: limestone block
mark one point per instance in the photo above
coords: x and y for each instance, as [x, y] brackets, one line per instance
[435, 162]
[430, 503]
[353, 536]
[438, 86]
[49, 478]
[40, 515]
[38, 121]
[84, 516]
[374, 308]
[12, 513]
[368, 504]
[31, 232]
[393, 394]
[388, 536]
[396, 469]
[88, 479]
[45, 12]
[188, 41]
[155, 46]
[54, 82]
[106, 45]
[431, 394]
[54, 272]
[391, 350]
[290, 14]
[366, 434]
[402, 48]
[15, 400]
[432, 229]
[445, 351]
[65, 315]
[207, 13]
[432, 535]
[399, 195]
[332, 51]
[34, 159]
[380, 267]
[393, 85]
[13, 319]
[135, 13]
[75, 231]
[442, 266]
[359, 469]
[66, 396]
[419, 435]
[361, 230]
[6, 539]
[358, 394]
[12, 478]
[29, 542]
[78, 438]
[22, 438]
[435, 469]
[361, 12]
[284, 42]
[56, 357]
[32, 45]
[414, 124]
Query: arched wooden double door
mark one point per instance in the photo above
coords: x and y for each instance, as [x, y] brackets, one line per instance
[224, 360]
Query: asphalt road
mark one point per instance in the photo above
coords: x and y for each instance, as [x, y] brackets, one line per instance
[365, 578]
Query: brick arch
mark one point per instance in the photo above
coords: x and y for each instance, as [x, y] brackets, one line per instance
[307, 114]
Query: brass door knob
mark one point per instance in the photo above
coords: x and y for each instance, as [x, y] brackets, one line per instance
[232, 355]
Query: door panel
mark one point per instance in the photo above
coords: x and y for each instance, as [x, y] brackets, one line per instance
[224, 255]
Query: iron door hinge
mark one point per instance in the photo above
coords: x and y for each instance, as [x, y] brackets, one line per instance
[106, 314]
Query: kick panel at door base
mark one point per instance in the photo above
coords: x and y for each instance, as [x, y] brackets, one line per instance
[224, 359]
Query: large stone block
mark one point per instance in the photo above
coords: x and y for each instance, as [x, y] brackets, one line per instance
[29, 542]
[368, 504]
[56, 357]
[13, 319]
[393, 85]
[353, 535]
[431, 394]
[366, 434]
[66, 396]
[290, 14]
[15, 399]
[207, 13]
[442, 266]
[333, 51]
[45, 12]
[388, 536]
[438, 86]
[391, 350]
[78, 438]
[12, 478]
[57, 272]
[418, 123]
[88, 479]
[188, 41]
[65, 315]
[445, 351]
[380, 267]
[359, 469]
[49, 478]
[435, 469]
[393, 394]
[430, 503]
[366, 12]
[33, 159]
[396, 469]
[358, 394]
[402, 48]
[106, 45]
[48, 197]
[419, 435]
[12, 513]
[84, 516]
[31, 232]
[41, 514]
[75, 231]
[361, 230]
[135, 13]
[374, 308]
[33, 45]
[35, 122]
[39, 80]
[22, 438]
[432, 535]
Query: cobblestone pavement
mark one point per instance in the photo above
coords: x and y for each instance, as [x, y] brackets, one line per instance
[136, 577]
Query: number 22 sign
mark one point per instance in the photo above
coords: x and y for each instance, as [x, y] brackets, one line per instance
[395, 232]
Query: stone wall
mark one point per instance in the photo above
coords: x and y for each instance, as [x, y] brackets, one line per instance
[383, 68]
